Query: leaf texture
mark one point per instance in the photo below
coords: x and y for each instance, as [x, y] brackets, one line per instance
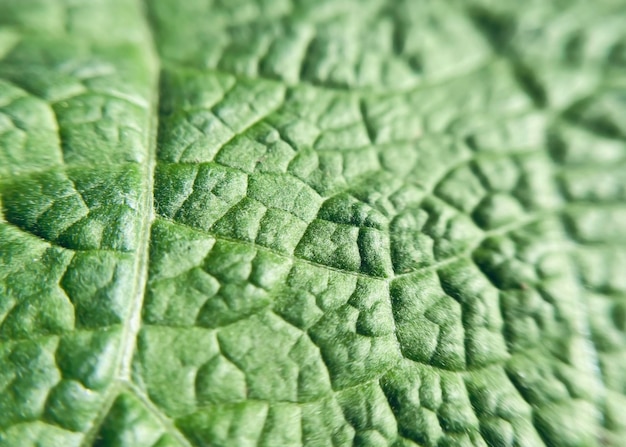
[312, 223]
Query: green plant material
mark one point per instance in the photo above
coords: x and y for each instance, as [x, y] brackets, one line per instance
[312, 223]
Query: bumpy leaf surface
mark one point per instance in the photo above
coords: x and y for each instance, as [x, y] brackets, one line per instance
[312, 223]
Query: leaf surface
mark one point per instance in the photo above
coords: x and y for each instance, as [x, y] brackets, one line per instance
[317, 223]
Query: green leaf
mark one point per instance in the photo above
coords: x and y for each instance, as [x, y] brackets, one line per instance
[312, 223]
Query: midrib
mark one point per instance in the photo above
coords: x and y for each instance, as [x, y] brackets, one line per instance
[132, 324]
